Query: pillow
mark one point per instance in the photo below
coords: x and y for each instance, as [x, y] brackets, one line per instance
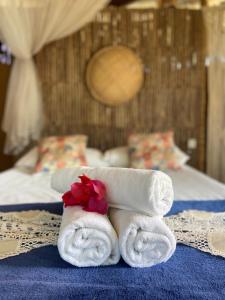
[153, 151]
[95, 158]
[29, 160]
[182, 157]
[62, 152]
[117, 157]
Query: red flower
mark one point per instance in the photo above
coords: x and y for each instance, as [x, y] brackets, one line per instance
[90, 194]
[68, 199]
[81, 192]
[96, 204]
[99, 188]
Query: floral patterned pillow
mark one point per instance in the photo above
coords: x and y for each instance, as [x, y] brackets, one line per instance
[61, 152]
[153, 151]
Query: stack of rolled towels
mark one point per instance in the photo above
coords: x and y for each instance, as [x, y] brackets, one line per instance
[134, 229]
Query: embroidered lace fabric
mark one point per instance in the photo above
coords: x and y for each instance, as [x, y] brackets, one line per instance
[21, 232]
[200, 229]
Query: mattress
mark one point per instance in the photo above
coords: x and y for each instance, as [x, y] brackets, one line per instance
[190, 184]
[42, 274]
[17, 187]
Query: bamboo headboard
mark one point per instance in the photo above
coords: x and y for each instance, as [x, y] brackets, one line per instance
[171, 45]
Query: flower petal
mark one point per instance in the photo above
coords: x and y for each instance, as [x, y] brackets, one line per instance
[85, 179]
[99, 188]
[68, 199]
[98, 205]
[80, 192]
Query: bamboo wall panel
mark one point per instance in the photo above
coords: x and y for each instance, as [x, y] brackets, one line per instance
[215, 28]
[171, 45]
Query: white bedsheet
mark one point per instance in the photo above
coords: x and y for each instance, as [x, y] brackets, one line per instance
[18, 188]
[190, 184]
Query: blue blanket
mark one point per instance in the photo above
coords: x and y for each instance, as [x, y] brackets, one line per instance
[41, 274]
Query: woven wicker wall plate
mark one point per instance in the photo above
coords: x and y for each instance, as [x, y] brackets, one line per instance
[114, 75]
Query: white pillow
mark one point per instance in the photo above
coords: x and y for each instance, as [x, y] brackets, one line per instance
[29, 160]
[182, 157]
[95, 158]
[119, 157]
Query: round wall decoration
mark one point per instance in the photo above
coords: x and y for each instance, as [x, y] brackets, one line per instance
[114, 75]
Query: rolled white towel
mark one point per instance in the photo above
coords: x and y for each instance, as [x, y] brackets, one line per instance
[143, 241]
[87, 239]
[144, 191]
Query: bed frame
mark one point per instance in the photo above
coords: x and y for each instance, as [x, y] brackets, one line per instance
[171, 45]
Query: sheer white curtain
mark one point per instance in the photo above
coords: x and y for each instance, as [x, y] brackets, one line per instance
[26, 26]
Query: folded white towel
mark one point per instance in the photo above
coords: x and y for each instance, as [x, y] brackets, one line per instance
[144, 191]
[143, 241]
[87, 239]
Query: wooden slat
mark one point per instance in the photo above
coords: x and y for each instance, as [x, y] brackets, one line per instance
[215, 27]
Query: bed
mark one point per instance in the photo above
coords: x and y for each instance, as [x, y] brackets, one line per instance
[17, 187]
[42, 274]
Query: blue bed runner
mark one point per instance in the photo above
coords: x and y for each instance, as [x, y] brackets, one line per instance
[42, 274]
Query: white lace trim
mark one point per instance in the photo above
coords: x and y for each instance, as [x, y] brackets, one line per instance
[200, 229]
[21, 232]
